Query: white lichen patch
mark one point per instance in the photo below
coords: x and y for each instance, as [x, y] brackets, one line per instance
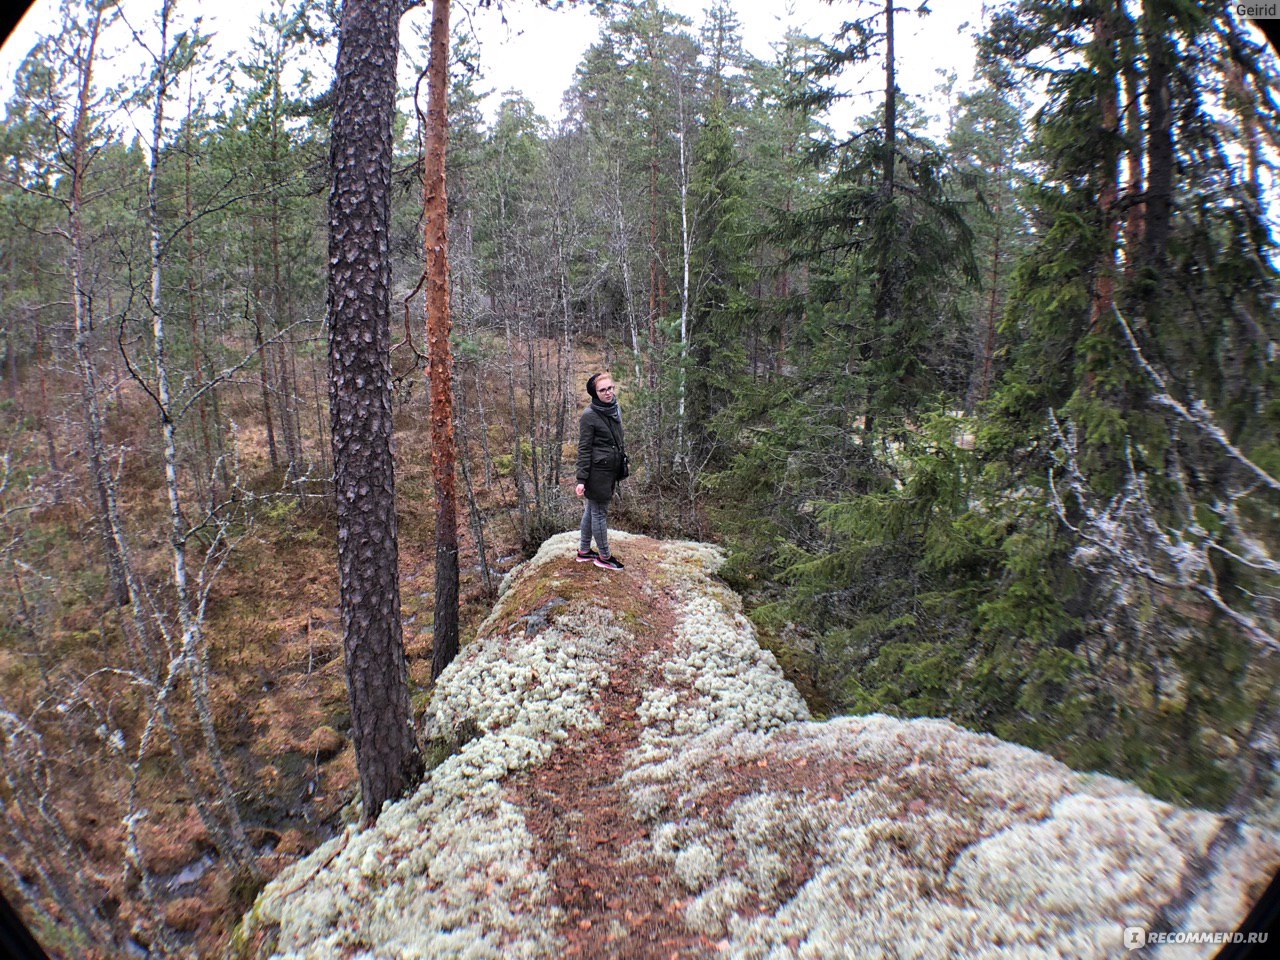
[542, 686]
[715, 676]
[448, 872]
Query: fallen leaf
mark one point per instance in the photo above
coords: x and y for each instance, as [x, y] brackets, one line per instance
[584, 924]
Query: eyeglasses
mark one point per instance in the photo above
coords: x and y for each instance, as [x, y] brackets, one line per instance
[605, 389]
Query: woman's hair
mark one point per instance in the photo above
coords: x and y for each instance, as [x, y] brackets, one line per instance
[591, 382]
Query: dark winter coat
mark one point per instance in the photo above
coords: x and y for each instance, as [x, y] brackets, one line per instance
[601, 453]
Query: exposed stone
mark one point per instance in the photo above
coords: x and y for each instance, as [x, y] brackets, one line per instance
[777, 837]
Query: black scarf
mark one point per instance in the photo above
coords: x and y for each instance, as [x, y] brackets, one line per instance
[610, 409]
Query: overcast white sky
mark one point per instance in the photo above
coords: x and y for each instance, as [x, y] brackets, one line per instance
[537, 50]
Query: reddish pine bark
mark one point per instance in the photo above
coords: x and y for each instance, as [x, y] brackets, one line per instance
[439, 355]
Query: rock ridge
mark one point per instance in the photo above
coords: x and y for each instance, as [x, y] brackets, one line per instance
[639, 780]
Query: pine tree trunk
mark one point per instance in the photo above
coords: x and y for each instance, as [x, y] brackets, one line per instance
[686, 255]
[986, 366]
[886, 284]
[1133, 217]
[439, 354]
[264, 362]
[654, 305]
[359, 308]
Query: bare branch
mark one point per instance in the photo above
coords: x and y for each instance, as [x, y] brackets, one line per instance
[1197, 414]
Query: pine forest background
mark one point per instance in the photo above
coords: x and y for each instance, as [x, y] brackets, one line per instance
[986, 418]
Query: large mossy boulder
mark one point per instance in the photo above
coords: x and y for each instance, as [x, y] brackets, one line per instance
[771, 835]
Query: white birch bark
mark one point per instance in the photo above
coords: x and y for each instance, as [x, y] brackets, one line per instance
[627, 290]
[82, 313]
[686, 248]
[192, 653]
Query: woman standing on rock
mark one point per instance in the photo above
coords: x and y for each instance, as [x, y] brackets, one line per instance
[602, 462]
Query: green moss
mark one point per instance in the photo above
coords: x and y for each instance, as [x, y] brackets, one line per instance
[253, 938]
[243, 890]
[420, 698]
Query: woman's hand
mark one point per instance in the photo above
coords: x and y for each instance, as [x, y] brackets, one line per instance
[581, 489]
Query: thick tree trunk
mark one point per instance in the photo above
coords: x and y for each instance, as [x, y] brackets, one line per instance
[359, 310]
[439, 354]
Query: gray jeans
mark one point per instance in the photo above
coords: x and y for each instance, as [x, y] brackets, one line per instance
[595, 520]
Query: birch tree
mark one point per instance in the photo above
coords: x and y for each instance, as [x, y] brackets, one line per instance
[79, 49]
[192, 655]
